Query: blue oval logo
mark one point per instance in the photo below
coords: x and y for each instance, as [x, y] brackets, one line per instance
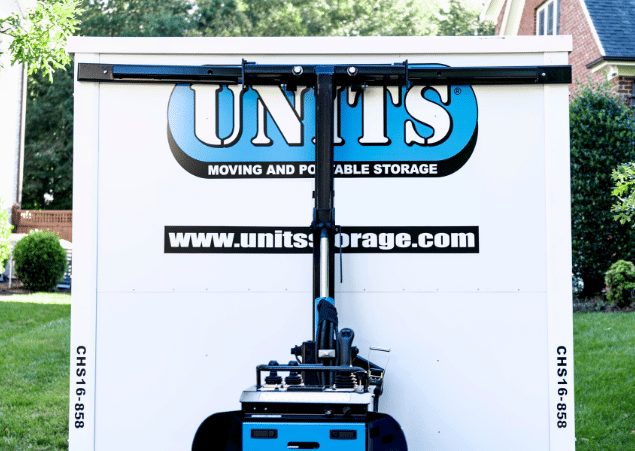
[217, 131]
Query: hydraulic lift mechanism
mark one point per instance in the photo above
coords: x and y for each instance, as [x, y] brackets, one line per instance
[329, 399]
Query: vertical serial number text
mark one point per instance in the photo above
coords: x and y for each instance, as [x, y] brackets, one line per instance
[80, 384]
[561, 405]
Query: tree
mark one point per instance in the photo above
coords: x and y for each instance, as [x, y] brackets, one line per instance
[602, 136]
[459, 20]
[314, 18]
[48, 150]
[132, 18]
[380, 18]
[39, 38]
[248, 18]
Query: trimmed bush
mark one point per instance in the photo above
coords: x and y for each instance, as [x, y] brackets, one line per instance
[602, 136]
[620, 283]
[40, 261]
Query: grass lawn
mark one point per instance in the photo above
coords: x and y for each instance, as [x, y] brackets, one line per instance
[34, 371]
[34, 375]
[605, 381]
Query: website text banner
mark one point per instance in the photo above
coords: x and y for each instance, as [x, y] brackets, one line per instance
[299, 240]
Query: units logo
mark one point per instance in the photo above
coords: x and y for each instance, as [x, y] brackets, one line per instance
[223, 131]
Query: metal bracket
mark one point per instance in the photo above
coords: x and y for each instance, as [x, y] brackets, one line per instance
[407, 74]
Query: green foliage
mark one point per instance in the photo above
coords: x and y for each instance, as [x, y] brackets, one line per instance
[5, 233]
[40, 260]
[161, 18]
[620, 283]
[602, 136]
[460, 20]
[39, 38]
[373, 18]
[624, 178]
[313, 18]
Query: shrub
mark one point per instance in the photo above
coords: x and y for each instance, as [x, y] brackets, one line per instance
[40, 261]
[602, 136]
[620, 283]
[5, 233]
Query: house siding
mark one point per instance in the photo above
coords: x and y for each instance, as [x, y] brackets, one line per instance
[12, 83]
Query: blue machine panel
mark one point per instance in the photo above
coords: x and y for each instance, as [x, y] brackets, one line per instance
[323, 436]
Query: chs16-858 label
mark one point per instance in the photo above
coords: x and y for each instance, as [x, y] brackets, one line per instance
[80, 386]
[563, 389]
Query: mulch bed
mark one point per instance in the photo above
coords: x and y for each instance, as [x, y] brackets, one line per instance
[599, 304]
[16, 288]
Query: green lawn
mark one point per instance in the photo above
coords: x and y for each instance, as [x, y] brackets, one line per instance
[34, 371]
[34, 375]
[605, 381]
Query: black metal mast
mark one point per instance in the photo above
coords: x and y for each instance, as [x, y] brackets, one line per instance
[324, 214]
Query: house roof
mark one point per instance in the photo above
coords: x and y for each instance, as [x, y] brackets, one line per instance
[614, 21]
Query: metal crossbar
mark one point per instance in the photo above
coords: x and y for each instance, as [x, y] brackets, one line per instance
[343, 75]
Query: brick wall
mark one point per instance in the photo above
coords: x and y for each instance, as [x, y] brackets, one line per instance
[624, 87]
[528, 19]
[585, 48]
[499, 21]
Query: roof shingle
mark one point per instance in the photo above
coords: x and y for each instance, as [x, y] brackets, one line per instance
[614, 22]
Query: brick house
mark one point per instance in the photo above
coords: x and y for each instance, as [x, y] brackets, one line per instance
[602, 32]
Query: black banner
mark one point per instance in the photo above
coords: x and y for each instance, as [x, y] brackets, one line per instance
[299, 240]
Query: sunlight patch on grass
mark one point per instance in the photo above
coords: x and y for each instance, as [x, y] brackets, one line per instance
[39, 298]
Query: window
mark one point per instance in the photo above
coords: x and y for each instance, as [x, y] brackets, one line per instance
[548, 18]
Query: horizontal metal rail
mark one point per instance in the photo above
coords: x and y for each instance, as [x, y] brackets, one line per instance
[344, 75]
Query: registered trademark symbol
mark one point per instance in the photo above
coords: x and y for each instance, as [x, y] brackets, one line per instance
[457, 91]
